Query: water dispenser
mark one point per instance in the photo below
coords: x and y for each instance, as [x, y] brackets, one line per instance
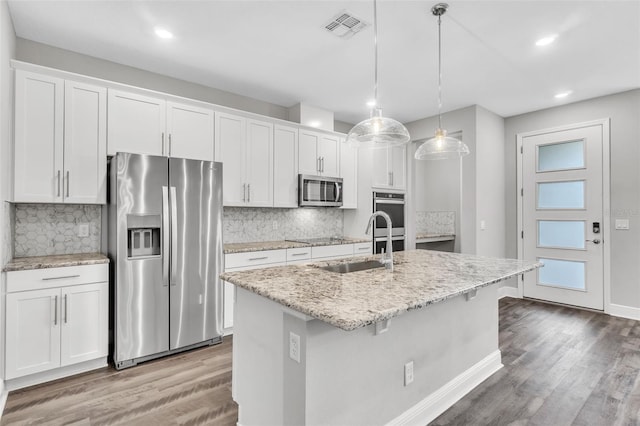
[143, 235]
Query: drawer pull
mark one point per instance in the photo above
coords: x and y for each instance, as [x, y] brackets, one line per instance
[60, 278]
[299, 254]
[364, 248]
[258, 258]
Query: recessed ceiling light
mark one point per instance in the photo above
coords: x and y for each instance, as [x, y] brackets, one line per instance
[163, 33]
[563, 94]
[545, 41]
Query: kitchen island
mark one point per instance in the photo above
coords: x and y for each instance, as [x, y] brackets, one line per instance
[312, 346]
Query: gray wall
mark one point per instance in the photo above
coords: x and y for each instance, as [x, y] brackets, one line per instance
[624, 111]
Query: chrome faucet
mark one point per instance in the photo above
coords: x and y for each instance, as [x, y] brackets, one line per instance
[386, 258]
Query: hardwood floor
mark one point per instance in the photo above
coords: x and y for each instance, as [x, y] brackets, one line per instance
[562, 366]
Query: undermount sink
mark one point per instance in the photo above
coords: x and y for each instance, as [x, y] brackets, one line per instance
[344, 268]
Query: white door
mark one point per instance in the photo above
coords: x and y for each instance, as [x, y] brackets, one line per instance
[285, 166]
[380, 173]
[32, 332]
[85, 143]
[349, 175]
[308, 163]
[329, 153]
[562, 215]
[398, 166]
[136, 124]
[190, 130]
[39, 124]
[84, 317]
[230, 133]
[259, 157]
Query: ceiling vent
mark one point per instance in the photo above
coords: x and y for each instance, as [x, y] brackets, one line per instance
[345, 25]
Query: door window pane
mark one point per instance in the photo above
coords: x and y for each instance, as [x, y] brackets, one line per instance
[561, 156]
[562, 273]
[561, 234]
[561, 195]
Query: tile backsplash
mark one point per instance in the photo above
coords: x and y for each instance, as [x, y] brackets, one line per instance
[242, 225]
[436, 222]
[46, 229]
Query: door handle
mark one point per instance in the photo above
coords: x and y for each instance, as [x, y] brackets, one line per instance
[174, 235]
[66, 308]
[318, 164]
[169, 144]
[67, 183]
[244, 192]
[248, 193]
[58, 183]
[55, 310]
[594, 241]
[165, 236]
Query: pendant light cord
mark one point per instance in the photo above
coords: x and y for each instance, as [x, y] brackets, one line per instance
[439, 72]
[375, 55]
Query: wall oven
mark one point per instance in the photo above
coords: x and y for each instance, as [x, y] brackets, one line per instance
[319, 191]
[393, 205]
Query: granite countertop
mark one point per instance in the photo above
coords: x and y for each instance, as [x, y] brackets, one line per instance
[353, 300]
[55, 261]
[285, 244]
[426, 235]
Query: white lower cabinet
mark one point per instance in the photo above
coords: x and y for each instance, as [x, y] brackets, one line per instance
[63, 323]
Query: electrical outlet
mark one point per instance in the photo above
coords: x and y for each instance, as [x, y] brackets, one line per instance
[294, 346]
[83, 230]
[408, 373]
[275, 225]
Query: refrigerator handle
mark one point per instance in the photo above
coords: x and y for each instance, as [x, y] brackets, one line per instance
[174, 236]
[165, 236]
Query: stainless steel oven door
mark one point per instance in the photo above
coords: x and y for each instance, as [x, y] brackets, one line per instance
[393, 205]
[397, 243]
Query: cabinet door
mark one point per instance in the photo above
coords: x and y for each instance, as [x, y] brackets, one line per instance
[85, 143]
[307, 153]
[190, 131]
[84, 318]
[380, 173]
[285, 167]
[398, 166]
[229, 147]
[259, 166]
[136, 124]
[32, 332]
[329, 152]
[39, 119]
[349, 175]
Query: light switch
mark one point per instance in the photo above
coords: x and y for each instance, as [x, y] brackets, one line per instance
[483, 225]
[622, 223]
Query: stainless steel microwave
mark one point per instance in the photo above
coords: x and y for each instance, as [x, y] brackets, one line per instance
[319, 191]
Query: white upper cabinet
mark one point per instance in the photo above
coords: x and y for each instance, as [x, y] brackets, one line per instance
[190, 132]
[136, 123]
[390, 168]
[349, 175]
[245, 147]
[318, 154]
[285, 166]
[150, 125]
[60, 140]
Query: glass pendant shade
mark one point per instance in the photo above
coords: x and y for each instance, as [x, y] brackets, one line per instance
[441, 147]
[378, 132]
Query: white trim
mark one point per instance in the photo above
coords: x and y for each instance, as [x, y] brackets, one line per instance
[439, 401]
[606, 200]
[508, 291]
[624, 311]
[56, 373]
[4, 393]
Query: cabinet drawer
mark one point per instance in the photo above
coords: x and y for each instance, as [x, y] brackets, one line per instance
[264, 257]
[38, 279]
[298, 254]
[362, 249]
[332, 251]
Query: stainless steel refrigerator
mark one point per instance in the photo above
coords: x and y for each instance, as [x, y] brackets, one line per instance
[165, 245]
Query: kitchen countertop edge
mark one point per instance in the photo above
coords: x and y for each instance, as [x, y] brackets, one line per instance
[54, 261]
[231, 248]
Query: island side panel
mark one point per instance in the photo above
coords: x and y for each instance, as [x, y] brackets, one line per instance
[357, 377]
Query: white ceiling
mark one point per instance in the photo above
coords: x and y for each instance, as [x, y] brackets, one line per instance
[279, 51]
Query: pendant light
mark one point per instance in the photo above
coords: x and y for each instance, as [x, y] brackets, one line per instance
[377, 131]
[441, 146]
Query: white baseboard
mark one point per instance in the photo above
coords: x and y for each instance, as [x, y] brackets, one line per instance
[624, 311]
[3, 397]
[439, 401]
[507, 291]
[56, 373]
